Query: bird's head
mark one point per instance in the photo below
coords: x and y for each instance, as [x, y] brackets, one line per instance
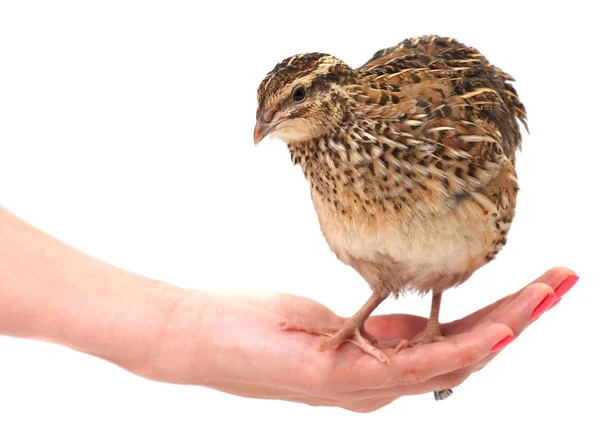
[305, 97]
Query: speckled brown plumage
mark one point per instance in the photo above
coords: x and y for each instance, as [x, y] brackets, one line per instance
[410, 159]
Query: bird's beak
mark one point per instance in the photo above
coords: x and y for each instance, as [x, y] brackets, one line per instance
[260, 131]
[264, 124]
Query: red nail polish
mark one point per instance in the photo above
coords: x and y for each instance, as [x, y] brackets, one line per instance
[567, 284]
[503, 343]
[543, 306]
[555, 302]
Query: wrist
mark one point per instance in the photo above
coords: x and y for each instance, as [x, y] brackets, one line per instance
[182, 350]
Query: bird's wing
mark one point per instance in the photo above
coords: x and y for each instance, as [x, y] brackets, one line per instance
[391, 163]
[448, 81]
[439, 123]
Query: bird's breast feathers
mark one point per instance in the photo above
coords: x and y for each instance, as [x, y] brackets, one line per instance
[449, 245]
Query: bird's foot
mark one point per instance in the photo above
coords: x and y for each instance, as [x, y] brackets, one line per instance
[423, 338]
[349, 332]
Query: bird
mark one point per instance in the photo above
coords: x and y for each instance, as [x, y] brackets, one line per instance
[410, 159]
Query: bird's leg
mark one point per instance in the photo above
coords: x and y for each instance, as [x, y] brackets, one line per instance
[432, 331]
[352, 330]
[431, 334]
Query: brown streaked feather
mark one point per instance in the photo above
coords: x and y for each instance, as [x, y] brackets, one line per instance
[451, 80]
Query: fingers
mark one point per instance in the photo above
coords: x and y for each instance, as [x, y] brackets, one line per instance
[446, 381]
[529, 303]
[424, 362]
[368, 405]
[514, 312]
[365, 405]
[553, 278]
[419, 364]
[517, 312]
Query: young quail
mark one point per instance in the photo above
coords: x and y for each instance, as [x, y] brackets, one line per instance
[411, 165]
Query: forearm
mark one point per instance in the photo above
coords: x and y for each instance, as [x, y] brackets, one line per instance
[50, 291]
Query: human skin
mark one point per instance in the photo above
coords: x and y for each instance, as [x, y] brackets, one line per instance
[231, 341]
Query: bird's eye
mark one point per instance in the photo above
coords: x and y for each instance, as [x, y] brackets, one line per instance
[299, 94]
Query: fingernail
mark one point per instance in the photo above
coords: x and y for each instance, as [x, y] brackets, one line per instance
[503, 343]
[544, 305]
[555, 302]
[566, 285]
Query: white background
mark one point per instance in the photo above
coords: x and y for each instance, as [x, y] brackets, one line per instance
[126, 131]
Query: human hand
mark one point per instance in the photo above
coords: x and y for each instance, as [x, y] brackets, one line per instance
[231, 342]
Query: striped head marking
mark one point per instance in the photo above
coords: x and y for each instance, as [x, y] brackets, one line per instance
[304, 97]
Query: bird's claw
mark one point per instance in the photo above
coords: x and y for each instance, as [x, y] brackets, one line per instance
[348, 333]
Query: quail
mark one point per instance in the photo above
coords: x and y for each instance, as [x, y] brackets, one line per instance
[410, 160]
